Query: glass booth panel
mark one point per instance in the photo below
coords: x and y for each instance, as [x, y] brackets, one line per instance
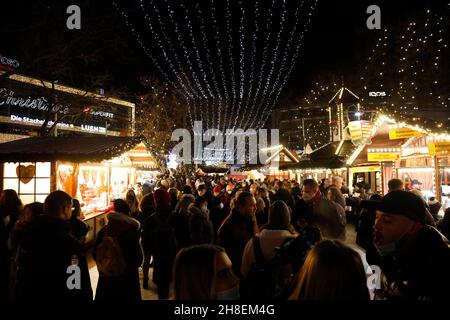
[27, 186]
[418, 178]
[43, 169]
[445, 187]
[11, 184]
[21, 177]
[93, 188]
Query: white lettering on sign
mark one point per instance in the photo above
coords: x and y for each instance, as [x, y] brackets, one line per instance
[7, 98]
[39, 121]
[93, 128]
[102, 114]
[377, 94]
[8, 62]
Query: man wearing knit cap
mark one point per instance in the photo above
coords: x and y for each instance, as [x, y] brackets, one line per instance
[414, 257]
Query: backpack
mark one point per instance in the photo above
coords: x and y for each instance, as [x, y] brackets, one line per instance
[266, 279]
[109, 257]
[163, 242]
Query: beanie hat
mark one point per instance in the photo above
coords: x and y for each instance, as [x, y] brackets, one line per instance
[401, 203]
[162, 198]
[279, 216]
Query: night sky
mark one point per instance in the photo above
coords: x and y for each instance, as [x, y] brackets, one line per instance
[337, 40]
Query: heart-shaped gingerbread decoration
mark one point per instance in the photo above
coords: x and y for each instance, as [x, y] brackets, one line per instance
[25, 174]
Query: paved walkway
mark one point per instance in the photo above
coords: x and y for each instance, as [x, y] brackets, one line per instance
[147, 294]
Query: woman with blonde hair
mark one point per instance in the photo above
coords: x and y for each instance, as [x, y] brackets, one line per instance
[332, 271]
[204, 272]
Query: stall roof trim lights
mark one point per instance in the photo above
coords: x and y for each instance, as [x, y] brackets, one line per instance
[383, 119]
[384, 150]
[318, 169]
[340, 92]
[355, 154]
[278, 149]
[338, 149]
[62, 88]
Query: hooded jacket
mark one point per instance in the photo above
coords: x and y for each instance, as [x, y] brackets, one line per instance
[126, 286]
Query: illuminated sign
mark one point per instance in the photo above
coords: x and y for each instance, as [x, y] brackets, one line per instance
[93, 129]
[383, 156]
[38, 122]
[360, 129]
[98, 113]
[7, 98]
[365, 169]
[439, 148]
[377, 94]
[403, 133]
[8, 63]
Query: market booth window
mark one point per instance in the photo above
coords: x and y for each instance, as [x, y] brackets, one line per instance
[89, 184]
[31, 180]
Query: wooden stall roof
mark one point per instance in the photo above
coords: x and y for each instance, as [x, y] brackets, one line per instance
[71, 148]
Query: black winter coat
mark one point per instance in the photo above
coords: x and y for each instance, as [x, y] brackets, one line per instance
[233, 235]
[418, 270]
[46, 250]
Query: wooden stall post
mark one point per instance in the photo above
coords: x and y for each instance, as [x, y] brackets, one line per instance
[437, 179]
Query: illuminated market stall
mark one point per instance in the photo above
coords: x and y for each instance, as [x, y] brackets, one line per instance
[322, 163]
[280, 156]
[413, 154]
[95, 170]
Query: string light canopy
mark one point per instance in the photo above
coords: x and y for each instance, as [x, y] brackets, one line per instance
[229, 60]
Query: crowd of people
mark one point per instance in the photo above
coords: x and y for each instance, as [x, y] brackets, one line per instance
[215, 237]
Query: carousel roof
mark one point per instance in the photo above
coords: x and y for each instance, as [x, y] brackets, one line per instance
[70, 148]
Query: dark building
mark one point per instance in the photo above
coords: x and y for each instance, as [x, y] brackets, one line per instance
[302, 125]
